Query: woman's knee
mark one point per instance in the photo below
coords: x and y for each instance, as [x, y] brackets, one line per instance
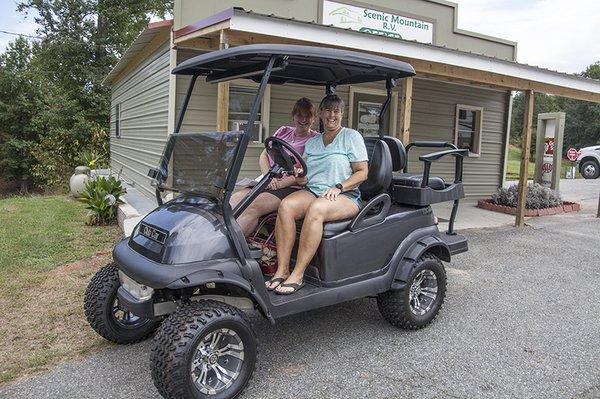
[317, 210]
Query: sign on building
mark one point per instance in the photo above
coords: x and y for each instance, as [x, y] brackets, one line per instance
[376, 22]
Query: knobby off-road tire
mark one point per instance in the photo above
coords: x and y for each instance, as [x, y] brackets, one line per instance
[590, 170]
[193, 342]
[104, 315]
[400, 308]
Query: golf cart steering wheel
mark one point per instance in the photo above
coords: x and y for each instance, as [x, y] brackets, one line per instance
[281, 152]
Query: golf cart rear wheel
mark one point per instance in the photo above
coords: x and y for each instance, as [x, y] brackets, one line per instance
[105, 315]
[419, 301]
[206, 349]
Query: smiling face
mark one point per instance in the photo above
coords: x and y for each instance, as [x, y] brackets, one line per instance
[303, 122]
[331, 116]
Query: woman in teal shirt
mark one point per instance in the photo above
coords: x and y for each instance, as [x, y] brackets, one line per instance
[337, 164]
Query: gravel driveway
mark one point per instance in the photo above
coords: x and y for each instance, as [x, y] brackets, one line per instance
[521, 319]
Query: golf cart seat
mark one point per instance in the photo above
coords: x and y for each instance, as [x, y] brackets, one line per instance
[423, 189]
[373, 191]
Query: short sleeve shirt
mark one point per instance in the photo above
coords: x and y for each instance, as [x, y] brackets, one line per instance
[288, 133]
[331, 164]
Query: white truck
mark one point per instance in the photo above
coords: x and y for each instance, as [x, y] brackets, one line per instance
[588, 162]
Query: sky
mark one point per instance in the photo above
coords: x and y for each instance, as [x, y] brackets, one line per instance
[555, 34]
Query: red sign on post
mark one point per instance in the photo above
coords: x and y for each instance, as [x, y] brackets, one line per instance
[572, 154]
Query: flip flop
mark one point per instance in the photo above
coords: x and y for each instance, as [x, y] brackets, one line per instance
[295, 286]
[273, 281]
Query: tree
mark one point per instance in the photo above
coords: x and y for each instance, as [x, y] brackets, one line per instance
[19, 102]
[81, 41]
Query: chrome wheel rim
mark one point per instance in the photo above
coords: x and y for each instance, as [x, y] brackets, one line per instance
[218, 361]
[423, 292]
[589, 170]
[123, 316]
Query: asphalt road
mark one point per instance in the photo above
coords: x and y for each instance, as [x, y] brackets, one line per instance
[521, 319]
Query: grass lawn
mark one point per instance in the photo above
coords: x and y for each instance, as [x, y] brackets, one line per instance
[47, 256]
[514, 165]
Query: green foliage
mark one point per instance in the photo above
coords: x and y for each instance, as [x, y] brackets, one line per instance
[582, 124]
[102, 197]
[538, 196]
[53, 106]
[19, 103]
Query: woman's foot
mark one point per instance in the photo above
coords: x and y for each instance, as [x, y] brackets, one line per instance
[290, 286]
[275, 282]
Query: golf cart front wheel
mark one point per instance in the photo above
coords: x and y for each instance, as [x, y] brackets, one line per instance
[105, 314]
[206, 349]
[416, 304]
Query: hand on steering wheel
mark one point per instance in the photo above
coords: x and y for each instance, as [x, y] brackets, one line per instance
[282, 154]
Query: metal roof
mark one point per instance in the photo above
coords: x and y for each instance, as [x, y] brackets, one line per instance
[147, 35]
[303, 64]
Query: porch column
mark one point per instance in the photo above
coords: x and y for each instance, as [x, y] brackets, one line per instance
[525, 148]
[405, 109]
[223, 93]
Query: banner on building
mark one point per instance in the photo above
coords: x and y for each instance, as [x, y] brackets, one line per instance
[376, 22]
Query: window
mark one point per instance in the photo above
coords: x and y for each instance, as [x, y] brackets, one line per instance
[118, 120]
[240, 104]
[468, 128]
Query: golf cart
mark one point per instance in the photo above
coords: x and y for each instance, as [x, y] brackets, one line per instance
[188, 270]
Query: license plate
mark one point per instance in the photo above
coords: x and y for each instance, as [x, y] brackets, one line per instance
[153, 233]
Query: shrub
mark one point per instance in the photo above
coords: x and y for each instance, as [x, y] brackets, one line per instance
[102, 197]
[538, 196]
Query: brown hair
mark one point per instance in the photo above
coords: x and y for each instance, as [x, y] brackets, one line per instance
[304, 107]
[330, 101]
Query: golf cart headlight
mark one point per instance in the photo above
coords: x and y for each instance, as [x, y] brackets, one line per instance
[138, 291]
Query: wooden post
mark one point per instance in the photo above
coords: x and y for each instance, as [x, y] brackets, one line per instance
[525, 149]
[405, 109]
[223, 94]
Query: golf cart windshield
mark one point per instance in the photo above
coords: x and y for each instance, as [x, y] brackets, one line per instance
[198, 163]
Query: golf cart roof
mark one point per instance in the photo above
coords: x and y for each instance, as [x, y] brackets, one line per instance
[319, 66]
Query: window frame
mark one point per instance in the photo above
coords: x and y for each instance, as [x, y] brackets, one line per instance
[264, 109]
[118, 111]
[478, 127]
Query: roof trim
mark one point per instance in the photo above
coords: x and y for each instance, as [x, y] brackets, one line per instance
[138, 45]
[269, 25]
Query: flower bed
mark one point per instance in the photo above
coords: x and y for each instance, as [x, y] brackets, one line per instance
[511, 210]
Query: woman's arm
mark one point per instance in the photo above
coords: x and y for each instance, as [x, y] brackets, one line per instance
[360, 173]
[263, 162]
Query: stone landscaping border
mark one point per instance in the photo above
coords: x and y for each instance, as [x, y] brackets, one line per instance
[564, 208]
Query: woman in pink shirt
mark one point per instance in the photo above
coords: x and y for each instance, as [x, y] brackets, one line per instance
[303, 115]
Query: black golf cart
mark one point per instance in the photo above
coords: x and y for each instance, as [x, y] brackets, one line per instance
[188, 265]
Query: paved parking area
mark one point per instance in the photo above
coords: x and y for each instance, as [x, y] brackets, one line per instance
[521, 319]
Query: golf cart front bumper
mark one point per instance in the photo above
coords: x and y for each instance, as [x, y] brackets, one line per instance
[144, 309]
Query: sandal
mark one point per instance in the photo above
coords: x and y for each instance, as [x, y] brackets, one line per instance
[273, 281]
[295, 287]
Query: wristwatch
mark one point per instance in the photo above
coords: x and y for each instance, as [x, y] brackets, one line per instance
[340, 187]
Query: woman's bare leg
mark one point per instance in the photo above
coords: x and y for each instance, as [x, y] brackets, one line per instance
[292, 208]
[320, 211]
[264, 204]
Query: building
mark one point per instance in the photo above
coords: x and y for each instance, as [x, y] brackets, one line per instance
[461, 94]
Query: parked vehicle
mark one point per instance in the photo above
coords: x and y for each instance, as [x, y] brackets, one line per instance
[588, 162]
[188, 271]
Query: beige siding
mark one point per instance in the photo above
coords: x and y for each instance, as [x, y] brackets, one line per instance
[433, 118]
[143, 96]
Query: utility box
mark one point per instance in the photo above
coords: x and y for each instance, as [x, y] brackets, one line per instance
[548, 149]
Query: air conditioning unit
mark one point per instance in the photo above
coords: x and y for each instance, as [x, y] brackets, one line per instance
[239, 125]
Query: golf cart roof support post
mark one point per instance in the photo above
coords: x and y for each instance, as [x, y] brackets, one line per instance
[329, 89]
[186, 101]
[389, 85]
[228, 215]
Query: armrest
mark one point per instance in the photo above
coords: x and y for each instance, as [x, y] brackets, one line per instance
[427, 144]
[363, 219]
[434, 156]
[459, 155]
